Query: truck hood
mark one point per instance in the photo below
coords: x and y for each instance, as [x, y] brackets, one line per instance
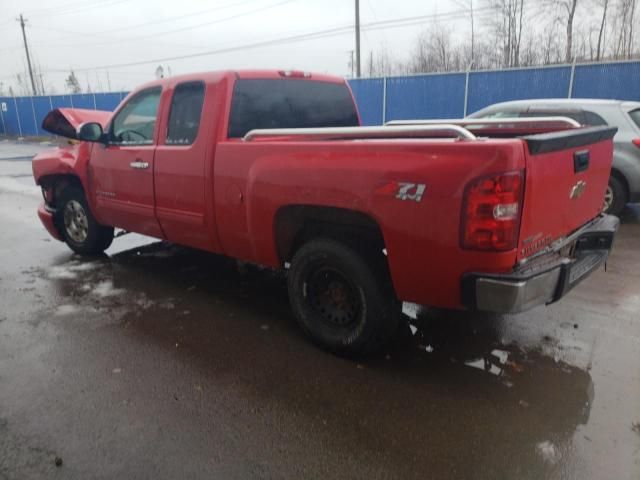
[65, 121]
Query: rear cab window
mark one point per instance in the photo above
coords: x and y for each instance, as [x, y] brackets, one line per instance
[185, 113]
[289, 103]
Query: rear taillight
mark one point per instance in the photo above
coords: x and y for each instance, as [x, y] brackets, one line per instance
[492, 207]
[636, 142]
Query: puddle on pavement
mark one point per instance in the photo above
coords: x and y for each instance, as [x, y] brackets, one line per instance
[231, 318]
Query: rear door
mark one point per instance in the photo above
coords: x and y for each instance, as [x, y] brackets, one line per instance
[181, 165]
[121, 173]
[566, 177]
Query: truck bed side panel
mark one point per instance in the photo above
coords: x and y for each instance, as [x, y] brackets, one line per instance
[255, 179]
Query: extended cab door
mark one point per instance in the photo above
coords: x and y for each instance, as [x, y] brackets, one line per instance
[184, 166]
[121, 173]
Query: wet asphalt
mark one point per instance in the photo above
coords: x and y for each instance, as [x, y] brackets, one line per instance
[156, 361]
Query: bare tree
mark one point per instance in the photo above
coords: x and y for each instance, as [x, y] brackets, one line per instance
[624, 22]
[436, 52]
[21, 83]
[508, 27]
[604, 5]
[467, 5]
[570, 7]
[72, 83]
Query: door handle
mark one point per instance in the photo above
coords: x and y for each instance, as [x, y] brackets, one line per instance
[139, 164]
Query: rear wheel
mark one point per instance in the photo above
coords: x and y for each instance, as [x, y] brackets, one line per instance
[341, 299]
[78, 226]
[615, 197]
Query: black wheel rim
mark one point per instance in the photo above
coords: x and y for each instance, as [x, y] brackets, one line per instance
[333, 297]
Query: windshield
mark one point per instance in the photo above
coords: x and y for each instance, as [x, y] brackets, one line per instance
[290, 103]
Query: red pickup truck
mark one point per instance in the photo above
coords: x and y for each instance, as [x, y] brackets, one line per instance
[272, 167]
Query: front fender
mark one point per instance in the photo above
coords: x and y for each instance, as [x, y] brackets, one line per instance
[71, 160]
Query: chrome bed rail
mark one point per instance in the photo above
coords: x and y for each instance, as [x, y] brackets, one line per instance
[470, 122]
[355, 133]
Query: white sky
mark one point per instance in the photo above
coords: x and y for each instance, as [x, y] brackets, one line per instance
[65, 34]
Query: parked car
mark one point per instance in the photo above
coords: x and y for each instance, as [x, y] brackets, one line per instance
[624, 184]
[362, 217]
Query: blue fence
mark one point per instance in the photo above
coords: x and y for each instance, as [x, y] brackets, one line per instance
[24, 115]
[454, 95]
[449, 95]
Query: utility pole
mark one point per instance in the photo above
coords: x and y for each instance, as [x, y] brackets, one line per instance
[358, 38]
[26, 49]
[351, 62]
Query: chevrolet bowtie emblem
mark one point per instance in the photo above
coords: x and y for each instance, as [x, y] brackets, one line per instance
[577, 190]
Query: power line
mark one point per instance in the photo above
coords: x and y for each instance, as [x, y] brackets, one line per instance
[56, 12]
[400, 22]
[393, 23]
[53, 8]
[180, 29]
[179, 17]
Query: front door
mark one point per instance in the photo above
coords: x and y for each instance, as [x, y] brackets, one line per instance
[121, 173]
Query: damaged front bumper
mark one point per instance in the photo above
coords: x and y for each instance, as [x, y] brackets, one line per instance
[46, 217]
[546, 278]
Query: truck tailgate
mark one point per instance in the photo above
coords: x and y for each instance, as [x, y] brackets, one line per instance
[566, 177]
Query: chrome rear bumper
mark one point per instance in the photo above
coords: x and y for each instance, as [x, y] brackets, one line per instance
[547, 279]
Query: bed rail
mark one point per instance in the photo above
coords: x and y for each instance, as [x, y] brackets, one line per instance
[493, 122]
[354, 133]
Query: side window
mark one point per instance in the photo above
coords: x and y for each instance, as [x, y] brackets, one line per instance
[593, 119]
[135, 122]
[184, 117]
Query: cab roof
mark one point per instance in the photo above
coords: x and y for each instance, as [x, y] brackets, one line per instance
[217, 76]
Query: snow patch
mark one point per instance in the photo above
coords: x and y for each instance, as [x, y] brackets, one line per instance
[548, 452]
[106, 289]
[61, 272]
[69, 271]
[63, 310]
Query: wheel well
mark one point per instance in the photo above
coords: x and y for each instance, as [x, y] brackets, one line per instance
[296, 224]
[620, 176]
[59, 183]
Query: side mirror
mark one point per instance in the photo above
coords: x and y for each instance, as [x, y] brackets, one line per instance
[90, 132]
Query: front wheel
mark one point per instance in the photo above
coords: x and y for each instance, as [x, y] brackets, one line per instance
[80, 230]
[340, 298]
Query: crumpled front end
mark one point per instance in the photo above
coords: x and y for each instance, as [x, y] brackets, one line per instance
[53, 170]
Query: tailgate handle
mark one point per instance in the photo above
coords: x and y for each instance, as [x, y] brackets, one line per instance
[581, 161]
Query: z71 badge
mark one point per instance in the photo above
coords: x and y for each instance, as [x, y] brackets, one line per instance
[403, 190]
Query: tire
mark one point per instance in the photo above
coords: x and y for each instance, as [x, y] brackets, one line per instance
[342, 300]
[615, 196]
[79, 228]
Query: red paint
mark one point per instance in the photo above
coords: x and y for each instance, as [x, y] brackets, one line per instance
[223, 195]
